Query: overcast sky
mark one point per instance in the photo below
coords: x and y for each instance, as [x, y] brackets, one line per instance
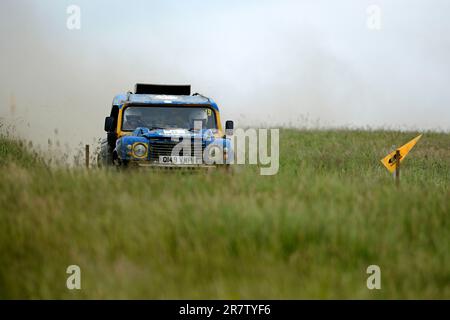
[264, 62]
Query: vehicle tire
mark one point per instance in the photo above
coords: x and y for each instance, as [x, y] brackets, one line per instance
[106, 155]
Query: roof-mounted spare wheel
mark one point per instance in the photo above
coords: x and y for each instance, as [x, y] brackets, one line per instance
[144, 88]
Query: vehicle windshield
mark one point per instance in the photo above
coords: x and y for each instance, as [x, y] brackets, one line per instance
[167, 117]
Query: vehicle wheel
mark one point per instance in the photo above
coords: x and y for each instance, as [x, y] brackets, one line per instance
[106, 156]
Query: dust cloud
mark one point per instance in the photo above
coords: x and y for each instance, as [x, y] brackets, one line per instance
[266, 63]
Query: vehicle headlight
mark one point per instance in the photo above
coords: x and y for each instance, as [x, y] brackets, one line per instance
[214, 151]
[139, 150]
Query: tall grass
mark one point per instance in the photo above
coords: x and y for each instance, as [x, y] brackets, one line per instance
[308, 232]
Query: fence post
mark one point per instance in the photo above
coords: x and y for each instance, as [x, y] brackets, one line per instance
[397, 167]
[87, 156]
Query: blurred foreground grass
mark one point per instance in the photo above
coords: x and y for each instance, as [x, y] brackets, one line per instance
[308, 232]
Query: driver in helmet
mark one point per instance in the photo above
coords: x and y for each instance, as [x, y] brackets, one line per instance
[197, 118]
[133, 119]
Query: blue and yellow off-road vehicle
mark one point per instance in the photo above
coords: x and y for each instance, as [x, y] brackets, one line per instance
[165, 126]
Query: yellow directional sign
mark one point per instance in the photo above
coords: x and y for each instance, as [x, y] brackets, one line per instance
[390, 160]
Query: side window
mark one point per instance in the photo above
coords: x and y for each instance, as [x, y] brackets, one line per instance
[211, 123]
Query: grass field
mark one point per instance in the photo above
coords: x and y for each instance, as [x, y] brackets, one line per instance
[308, 232]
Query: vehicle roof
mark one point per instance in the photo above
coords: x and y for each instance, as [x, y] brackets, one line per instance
[121, 99]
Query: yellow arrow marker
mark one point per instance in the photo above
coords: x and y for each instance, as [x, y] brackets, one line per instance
[390, 159]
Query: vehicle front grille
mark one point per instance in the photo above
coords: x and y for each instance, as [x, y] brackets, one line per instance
[164, 148]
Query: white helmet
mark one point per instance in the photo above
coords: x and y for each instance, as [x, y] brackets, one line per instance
[132, 114]
[198, 115]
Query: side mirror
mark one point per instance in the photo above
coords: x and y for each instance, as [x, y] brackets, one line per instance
[109, 124]
[229, 126]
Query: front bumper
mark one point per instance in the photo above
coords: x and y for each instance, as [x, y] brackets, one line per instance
[167, 166]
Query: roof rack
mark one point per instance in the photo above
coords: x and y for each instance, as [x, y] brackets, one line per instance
[144, 88]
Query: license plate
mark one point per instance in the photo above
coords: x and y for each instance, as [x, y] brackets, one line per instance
[178, 160]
